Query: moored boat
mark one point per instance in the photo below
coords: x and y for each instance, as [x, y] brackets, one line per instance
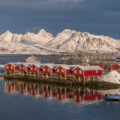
[112, 97]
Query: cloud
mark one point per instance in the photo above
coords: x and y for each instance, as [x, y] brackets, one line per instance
[41, 6]
[62, 1]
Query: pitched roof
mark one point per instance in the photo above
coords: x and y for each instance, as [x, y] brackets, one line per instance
[88, 68]
[64, 66]
[32, 59]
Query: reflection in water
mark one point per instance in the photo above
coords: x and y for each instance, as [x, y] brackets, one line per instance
[62, 94]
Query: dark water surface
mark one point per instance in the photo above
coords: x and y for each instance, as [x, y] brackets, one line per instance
[32, 101]
[21, 58]
[29, 101]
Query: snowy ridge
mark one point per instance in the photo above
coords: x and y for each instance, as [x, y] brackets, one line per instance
[41, 37]
[65, 41]
[77, 41]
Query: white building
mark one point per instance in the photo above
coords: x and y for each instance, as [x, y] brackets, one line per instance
[32, 59]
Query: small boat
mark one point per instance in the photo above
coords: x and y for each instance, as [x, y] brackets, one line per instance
[112, 97]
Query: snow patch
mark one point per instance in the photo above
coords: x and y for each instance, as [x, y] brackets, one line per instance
[113, 77]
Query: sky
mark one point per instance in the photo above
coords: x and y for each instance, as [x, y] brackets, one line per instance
[100, 17]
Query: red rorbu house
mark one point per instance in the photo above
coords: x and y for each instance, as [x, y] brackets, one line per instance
[62, 70]
[23, 68]
[47, 69]
[9, 68]
[87, 71]
[115, 66]
[35, 69]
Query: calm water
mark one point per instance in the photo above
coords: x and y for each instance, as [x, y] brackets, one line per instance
[32, 101]
[12, 58]
[28, 101]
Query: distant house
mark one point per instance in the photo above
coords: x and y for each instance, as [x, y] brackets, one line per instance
[32, 59]
[9, 67]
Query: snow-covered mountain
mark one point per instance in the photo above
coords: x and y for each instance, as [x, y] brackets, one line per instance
[44, 42]
[77, 41]
[42, 37]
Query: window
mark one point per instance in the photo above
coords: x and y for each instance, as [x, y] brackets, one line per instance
[48, 70]
[57, 70]
[96, 71]
[80, 72]
[31, 68]
[43, 69]
[75, 71]
[11, 67]
[7, 67]
[62, 70]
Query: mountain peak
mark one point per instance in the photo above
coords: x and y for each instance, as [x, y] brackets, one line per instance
[69, 31]
[7, 32]
[67, 40]
[42, 31]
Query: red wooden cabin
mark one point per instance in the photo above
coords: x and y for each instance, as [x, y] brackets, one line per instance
[23, 68]
[47, 69]
[35, 69]
[77, 71]
[9, 67]
[115, 66]
[62, 70]
[87, 71]
[15, 67]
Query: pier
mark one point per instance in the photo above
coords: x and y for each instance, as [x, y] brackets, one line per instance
[53, 73]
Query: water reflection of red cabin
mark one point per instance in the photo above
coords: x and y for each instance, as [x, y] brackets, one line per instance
[91, 97]
[56, 93]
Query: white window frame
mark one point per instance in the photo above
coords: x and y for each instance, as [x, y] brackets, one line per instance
[80, 71]
[75, 71]
[43, 69]
[58, 70]
[62, 71]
